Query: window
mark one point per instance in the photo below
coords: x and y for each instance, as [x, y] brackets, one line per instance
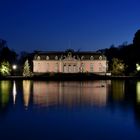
[74, 68]
[65, 68]
[82, 57]
[47, 67]
[47, 57]
[69, 54]
[38, 57]
[91, 67]
[83, 67]
[91, 58]
[56, 67]
[100, 67]
[56, 57]
[69, 68]
[100, 58]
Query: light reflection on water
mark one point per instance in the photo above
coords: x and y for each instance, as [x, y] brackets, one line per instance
[26, 92]
[44, 94]
[14, 92]
[5, 89]
[70, 93]
[99, 107]
[138, 92]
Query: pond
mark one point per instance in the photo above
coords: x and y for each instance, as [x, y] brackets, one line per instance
[87, 110]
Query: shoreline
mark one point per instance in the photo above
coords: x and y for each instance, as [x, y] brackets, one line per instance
[70, 77]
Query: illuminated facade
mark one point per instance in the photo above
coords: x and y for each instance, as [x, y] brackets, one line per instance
[69, 62]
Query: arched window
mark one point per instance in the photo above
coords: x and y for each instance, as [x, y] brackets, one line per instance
[82, 57]
[56, 57]
[38, 57]
[47, 57]
[91, 58]
[100, 58]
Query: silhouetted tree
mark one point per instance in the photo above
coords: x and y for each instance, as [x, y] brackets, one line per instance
[136, 39]
[8, 55]
[129, 53]
[3, 43]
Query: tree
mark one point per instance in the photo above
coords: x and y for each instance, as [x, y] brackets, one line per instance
[26, 69]
[5, 68]
[136, 40]
[3, 43]
[7, 54]
[117, 67]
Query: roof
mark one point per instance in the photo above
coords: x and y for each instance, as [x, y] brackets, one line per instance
[53, 55]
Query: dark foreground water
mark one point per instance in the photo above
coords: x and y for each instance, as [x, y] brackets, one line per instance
[41, 110]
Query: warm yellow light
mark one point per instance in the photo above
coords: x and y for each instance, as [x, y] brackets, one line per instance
[4, 91]
[138, 92]
[137, 67]
[14, 92]
[26, 92]
[14, 67]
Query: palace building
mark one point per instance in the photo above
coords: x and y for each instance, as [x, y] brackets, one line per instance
[70, 61]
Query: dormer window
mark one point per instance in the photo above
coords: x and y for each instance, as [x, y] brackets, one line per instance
[69, 54]
[56, 57]
[47, 57]
[91, 58]
[38, 57]
[82, 57]
[100, 58]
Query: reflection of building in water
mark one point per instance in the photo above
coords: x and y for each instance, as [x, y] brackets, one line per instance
[26, 92]
[118, 89]
[5, 87]
[45, 94]
[95, 93]
[70, 93]
[14, 92]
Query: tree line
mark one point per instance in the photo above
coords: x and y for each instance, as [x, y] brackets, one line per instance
[9, 58]
[125, 58]
[122, 60]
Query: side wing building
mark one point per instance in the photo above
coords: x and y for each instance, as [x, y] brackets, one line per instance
[70, 62]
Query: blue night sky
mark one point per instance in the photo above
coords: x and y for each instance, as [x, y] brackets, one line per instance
[29, 25]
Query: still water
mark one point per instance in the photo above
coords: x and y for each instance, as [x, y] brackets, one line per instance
[93, 110]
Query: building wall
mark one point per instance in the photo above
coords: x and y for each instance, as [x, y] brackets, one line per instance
[93, 66]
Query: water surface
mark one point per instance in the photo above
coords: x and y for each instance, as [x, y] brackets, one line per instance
[90, 110]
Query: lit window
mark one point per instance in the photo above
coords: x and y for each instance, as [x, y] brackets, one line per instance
[83, 67]
[56, 57]
[91, 58]
[47, 67]
[56, 67]
[38, 57]
[100, 67]
[82, 57]
[100, 57]
[91, 67]
[47, 57]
